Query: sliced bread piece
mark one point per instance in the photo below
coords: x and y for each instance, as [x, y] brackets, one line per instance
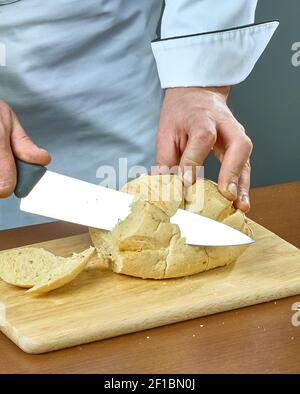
[40, 270]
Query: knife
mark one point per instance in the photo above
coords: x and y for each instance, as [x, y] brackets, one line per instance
[46, 193]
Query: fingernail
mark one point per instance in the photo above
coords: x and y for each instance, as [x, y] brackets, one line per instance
[232, 189]
[188, 178]
[245, 199]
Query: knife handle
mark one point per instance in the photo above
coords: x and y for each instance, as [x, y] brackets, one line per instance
[28, 176]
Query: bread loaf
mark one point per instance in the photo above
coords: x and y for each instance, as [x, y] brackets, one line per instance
[147, 245]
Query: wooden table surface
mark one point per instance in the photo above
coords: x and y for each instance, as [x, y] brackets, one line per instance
[257, 339]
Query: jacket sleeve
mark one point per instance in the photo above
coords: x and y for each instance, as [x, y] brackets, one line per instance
[209, 42]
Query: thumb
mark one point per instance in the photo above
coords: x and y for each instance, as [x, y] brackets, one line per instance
[24, 149]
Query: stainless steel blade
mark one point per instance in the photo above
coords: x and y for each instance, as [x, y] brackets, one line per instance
[72, 200]
[200, 230]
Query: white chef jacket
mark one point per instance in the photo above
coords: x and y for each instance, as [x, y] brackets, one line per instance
[86, 78]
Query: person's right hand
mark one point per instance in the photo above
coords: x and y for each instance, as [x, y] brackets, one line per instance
[14, 142]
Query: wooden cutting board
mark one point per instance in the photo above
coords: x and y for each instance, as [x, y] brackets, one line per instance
[99, 304]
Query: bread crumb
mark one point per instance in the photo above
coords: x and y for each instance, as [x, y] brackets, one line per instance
[194, 335]
[147, 337]
[292, 338]
[201, 325]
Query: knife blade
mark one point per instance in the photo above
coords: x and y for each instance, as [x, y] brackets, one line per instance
[64, 198]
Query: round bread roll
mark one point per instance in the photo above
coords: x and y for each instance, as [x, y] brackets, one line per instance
[147, 245]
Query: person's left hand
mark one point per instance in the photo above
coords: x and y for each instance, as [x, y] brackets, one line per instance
[195, 121]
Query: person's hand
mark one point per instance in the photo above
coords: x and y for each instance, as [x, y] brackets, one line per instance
[14, 142]
[195, 121]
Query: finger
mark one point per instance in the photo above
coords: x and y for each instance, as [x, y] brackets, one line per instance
[243, 200]
[167, 153]
[24, 149]
[235, 158]
[218, 152]
[199, 145]
[7, 164]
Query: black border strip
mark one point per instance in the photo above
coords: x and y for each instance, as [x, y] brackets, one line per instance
[214, 32]
[111, 383]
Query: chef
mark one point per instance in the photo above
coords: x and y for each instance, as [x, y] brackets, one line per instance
[95, 81]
